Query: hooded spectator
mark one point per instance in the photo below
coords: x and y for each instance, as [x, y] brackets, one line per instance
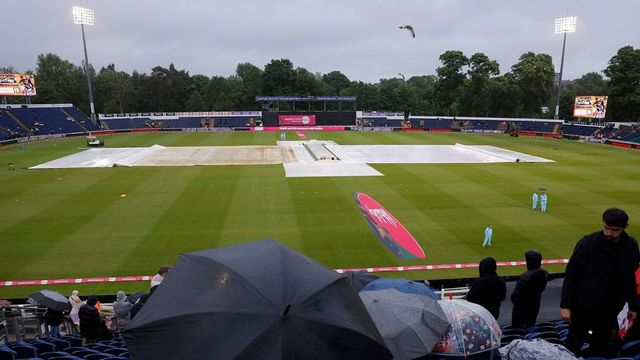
[122, 309]
[490, 289]
[528, 291]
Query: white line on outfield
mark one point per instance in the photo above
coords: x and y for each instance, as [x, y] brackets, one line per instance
[106, 279]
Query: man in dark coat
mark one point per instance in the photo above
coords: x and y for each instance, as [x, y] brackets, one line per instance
[599, 279]
[489, 290]
[528, 291]
[53, 318]
[92, 327]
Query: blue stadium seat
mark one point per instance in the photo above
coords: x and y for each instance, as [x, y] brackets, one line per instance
[41, 346]
[54, 354]
[25, 352]
[630, 349]
[98, 357]
[74, 340]
[117, 352]
[7, 354]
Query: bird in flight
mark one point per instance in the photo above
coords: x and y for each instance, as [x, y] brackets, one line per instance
[410, 28]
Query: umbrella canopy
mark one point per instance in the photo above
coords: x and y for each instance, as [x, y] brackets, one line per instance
[253, 300]
[410, 324]
[360, 279]
[535, 349]
[51, 299]
[134, 297]
[473, 329]
[402, 285]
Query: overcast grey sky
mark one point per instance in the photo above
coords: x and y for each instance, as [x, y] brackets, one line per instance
[361, 38]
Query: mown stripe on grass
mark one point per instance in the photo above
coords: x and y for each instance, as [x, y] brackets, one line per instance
[74, 228]
[189, 218]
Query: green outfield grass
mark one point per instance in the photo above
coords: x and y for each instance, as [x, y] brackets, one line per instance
[71, 223]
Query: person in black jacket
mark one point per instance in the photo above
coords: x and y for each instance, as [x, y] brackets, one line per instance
[92, 327]
[528, 291]
[489, 290]
[53, 318]
[599, 279]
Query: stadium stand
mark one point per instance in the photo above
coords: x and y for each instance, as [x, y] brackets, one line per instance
[579, 129]
[438, 123]
[81, 118]
[43, 119]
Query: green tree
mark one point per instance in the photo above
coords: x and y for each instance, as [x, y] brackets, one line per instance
[534, 74]
[196, 102]
[422, 90]
[366, 94]
[278, 78]
[251, 77]
[504, 97]
[336, 81]
[60, 81]
[476, 97]
[451, 77]
[623, 71]
[112, 91]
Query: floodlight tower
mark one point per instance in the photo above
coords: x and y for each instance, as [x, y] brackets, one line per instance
[564, 25]
[84, 16]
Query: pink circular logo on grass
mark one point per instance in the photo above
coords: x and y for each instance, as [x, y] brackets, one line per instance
[393, 235]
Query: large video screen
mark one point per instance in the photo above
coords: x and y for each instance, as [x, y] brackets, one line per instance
[17, 85]
[593, 107]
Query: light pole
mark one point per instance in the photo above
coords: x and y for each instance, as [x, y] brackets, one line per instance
[563, 26]
[84, 16]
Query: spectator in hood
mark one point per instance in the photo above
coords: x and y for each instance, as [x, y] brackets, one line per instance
[528, 291]
[490, 289]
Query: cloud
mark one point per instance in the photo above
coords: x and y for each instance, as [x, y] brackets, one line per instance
[358, 37]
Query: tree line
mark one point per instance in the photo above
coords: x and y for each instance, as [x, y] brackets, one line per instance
[462, 86]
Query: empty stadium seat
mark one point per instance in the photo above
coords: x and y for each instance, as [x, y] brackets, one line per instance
[7, 354]
[25, 352]
[630, 349]
[49, 355]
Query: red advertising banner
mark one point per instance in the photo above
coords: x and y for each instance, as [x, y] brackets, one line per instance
[296, 120]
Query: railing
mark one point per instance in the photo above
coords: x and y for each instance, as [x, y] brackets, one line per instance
[453, 293]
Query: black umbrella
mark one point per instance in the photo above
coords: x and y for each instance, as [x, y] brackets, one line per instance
[133, 298]
[360, 279]
[51, 299]
[254, 300]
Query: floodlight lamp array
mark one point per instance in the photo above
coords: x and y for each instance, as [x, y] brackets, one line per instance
[83, 16]
[566, 25]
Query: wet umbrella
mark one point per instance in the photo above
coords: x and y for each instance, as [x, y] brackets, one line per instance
[360, 279]
[402, 285]
[535, 349]
[253, 300]
[473, 329]
[51, 299]
[134, 297]
[410, 324]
